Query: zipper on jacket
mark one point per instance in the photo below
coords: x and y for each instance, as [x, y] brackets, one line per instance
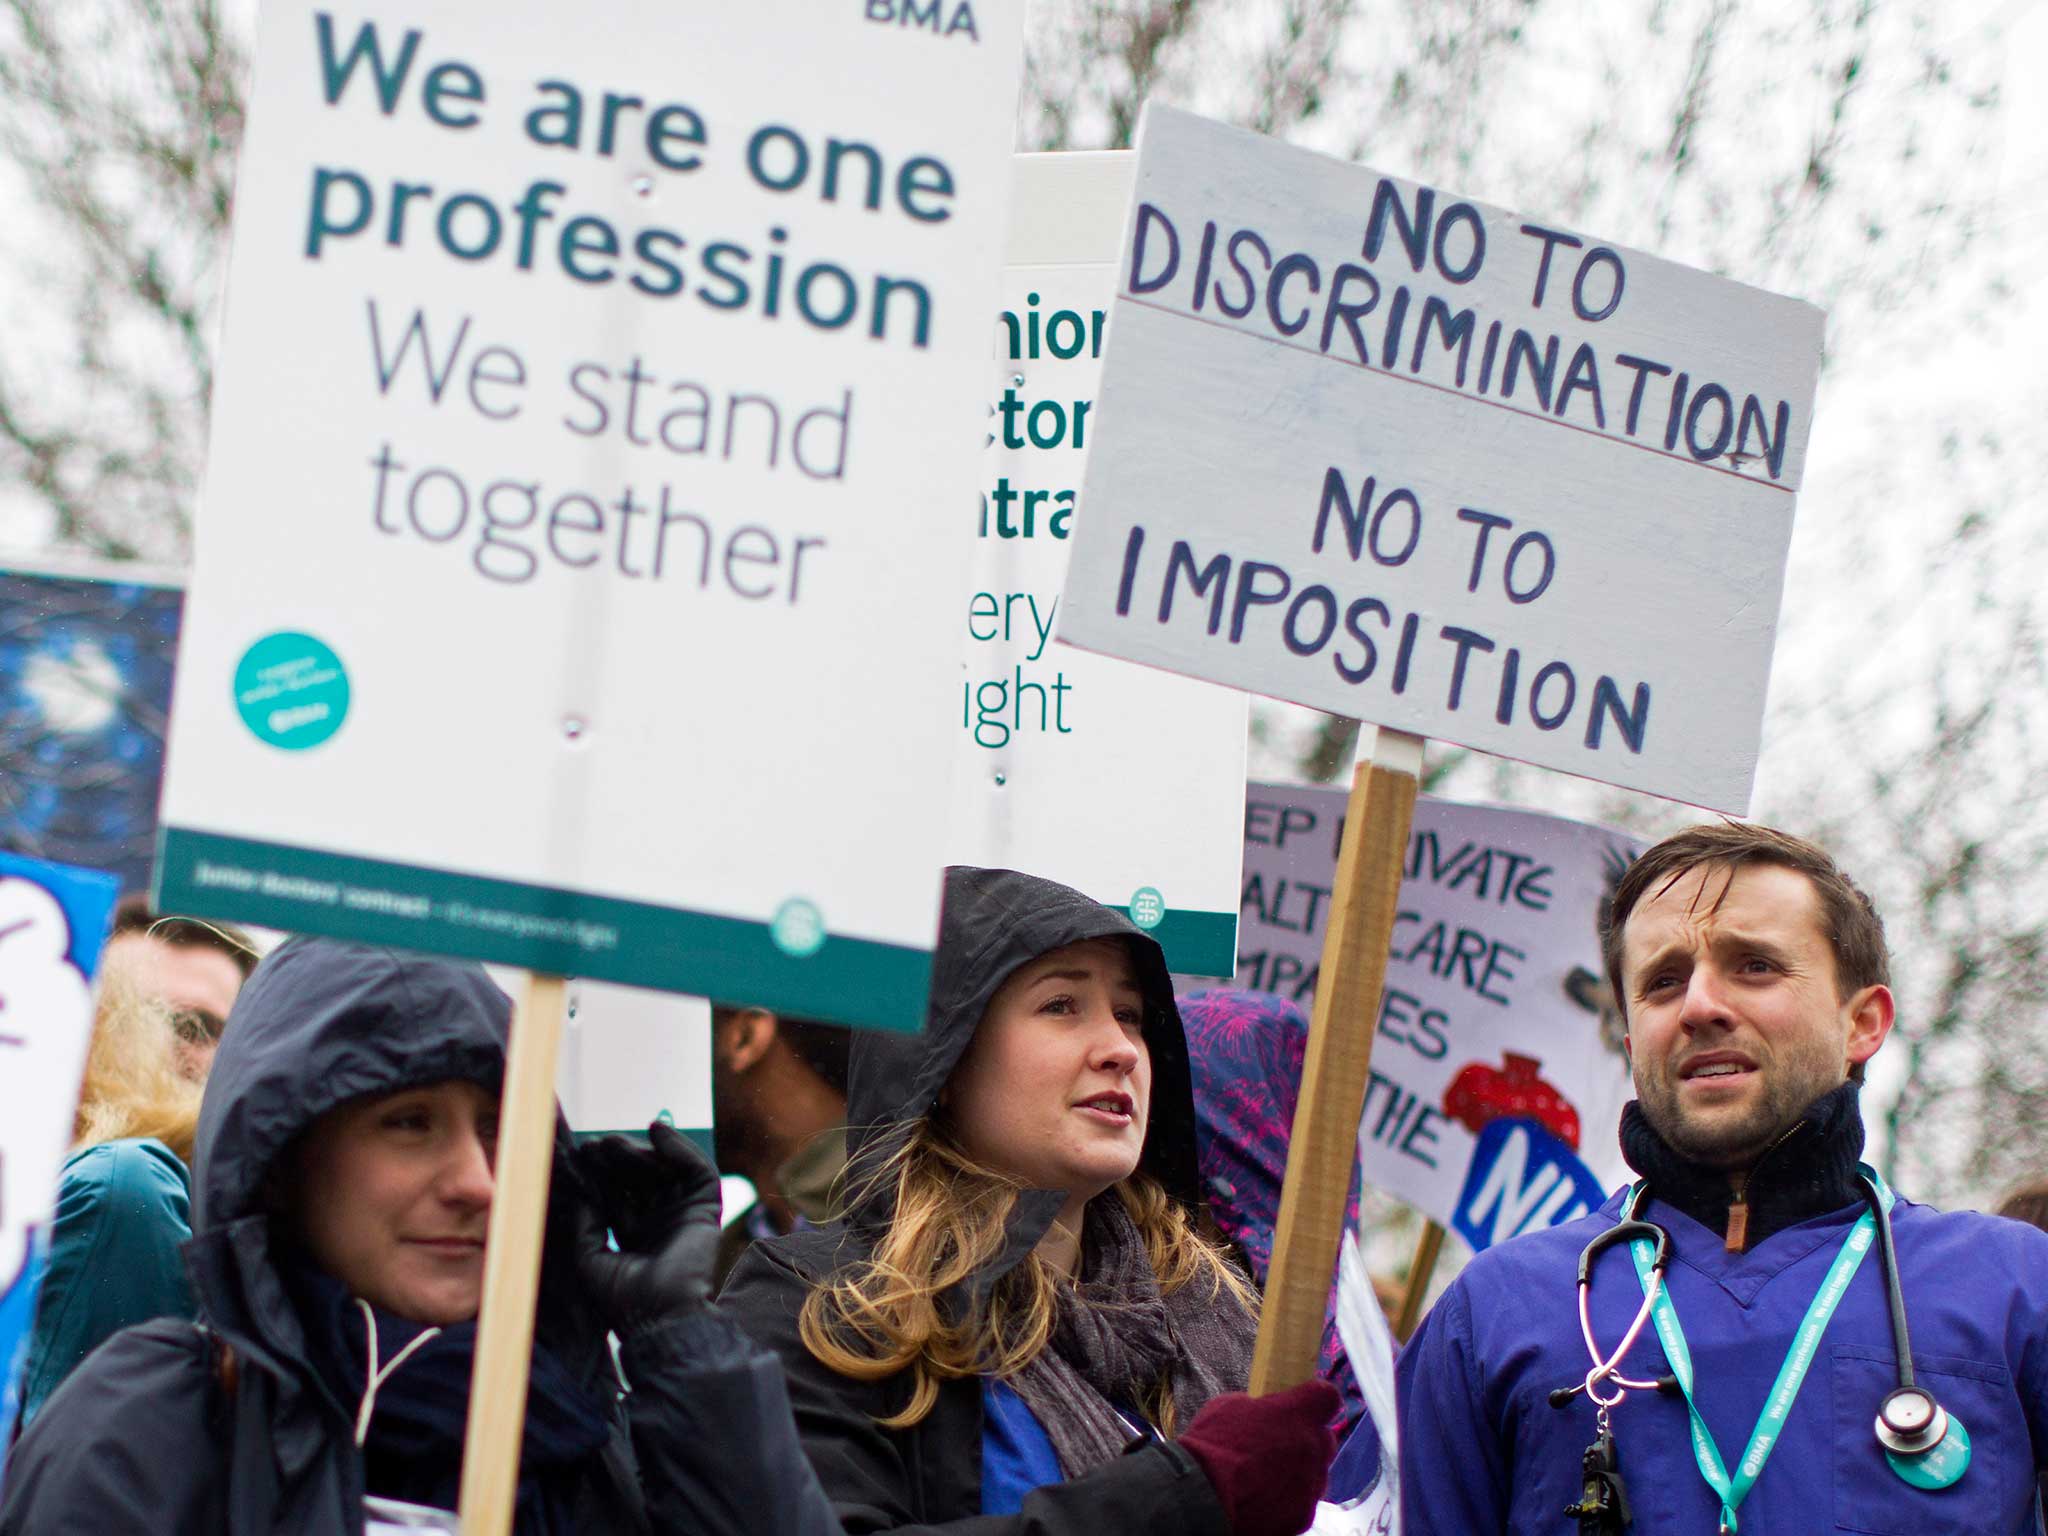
[1738, 1208]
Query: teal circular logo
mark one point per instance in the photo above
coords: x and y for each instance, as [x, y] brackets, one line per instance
[1148, 907]
[798, 928]
[1939, 1467]
[291, 690]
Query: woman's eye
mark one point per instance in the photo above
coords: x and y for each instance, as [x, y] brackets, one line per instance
[407, 1120]
[1061, 1003]
[1131, 1018]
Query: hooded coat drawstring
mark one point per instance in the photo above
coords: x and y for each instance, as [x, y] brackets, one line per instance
[374, 1378]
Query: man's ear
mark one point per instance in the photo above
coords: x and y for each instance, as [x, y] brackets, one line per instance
[1871, 1013]
[743, 1038]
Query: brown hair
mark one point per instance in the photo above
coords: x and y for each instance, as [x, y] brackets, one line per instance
[132, 1085]
[951, 1221]
[133, 914]
[2028, 1202]
[1854, 931]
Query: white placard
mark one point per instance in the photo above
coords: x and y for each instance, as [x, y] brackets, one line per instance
[631, 1057]
[1373, 448]
[581, 546]
[1497, 1073]
[1121, 781]
[53, 923]
[1369, 1345]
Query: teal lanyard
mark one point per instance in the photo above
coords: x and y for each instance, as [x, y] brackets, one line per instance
[1791, 1375]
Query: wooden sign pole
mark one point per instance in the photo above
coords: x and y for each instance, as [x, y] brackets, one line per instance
[504, 1343]
[1323, 1149]
[1420, 1268]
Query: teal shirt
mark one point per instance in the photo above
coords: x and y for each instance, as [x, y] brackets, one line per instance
[124, 1208]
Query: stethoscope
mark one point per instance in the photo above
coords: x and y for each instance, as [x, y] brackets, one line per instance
[1909, 1421]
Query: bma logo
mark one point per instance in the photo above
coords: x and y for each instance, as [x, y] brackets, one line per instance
[933, 16]
[1522, 1179]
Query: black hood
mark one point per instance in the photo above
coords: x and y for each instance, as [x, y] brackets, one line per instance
[321, 1023]
[318, 1024]
[994, 921]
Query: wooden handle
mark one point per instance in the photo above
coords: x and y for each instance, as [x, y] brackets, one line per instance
[1323, 1147]
[1427, 1247]
[504, 1343]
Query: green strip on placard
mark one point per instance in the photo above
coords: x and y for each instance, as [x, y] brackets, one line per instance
[700, 1134]
[1198, 943]
[542, 928]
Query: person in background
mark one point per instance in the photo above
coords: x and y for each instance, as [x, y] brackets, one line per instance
[196, 967]
[778, 1089]
[345, 1178]
[1246, 1050]
[1017, 1327]
[2026, 1202]
[124, 1201]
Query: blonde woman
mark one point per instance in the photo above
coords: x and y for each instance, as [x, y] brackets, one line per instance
[124, 1206]
[1018, 1317]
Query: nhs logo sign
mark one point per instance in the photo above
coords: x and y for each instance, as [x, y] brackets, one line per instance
[1522, 1179]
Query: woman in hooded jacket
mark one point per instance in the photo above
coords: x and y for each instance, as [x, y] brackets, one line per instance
[344, 1187]
[1017, 1325]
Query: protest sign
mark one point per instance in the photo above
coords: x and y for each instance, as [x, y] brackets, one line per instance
[594, 411]
[596, 408]
[630, 1057]
[86, 651]
[1449, 470]
[1499, 1077]
[1120, 781]
[1429, 463]
[1370, 1348]
[53, 920]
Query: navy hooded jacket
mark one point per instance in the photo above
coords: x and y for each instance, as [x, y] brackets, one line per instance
[928, 1477]
[174, 1430]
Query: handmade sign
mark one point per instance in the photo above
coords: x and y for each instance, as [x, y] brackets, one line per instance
[86, 651]
[53, 920]
[1498, 1077]
[596, 406]
[1116, 779]
[1370, 1348]
[1453, 471]
[1406, 457]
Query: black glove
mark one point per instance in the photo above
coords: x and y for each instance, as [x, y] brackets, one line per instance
[661, 1202]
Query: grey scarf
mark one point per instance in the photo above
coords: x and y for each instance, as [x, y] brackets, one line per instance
[1117, 1337]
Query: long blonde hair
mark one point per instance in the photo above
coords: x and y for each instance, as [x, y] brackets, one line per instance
[883, 1315]
[132, 1085]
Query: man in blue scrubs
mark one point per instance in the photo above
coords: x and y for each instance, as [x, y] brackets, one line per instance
[1754, 980]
